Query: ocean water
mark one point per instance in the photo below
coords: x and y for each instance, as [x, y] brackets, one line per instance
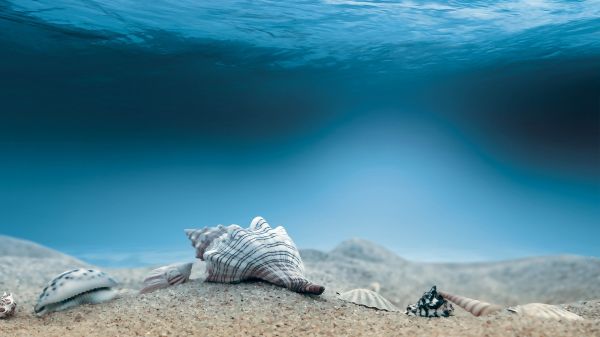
[443, 130]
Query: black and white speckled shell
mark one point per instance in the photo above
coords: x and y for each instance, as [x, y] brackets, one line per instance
[72, 283]
[7, 305]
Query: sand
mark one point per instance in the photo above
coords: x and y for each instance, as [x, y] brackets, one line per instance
[259, 309]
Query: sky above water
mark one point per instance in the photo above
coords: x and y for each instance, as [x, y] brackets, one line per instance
[445, 131]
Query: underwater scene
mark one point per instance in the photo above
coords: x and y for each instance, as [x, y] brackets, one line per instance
[360, 165]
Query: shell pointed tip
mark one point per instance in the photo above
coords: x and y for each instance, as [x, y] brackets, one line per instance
[315, 289]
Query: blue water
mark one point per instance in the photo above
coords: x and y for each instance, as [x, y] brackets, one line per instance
[443, 130]
[415, 34]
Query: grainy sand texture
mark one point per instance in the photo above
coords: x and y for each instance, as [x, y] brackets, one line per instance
[198, 308]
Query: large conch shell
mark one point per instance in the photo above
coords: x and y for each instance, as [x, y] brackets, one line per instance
[538, 310]
[166, 276]
[234, 254]
[7, 305]
[76, 287]
[368, 298]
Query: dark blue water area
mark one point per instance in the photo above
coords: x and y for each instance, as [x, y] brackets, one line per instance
[445, 131]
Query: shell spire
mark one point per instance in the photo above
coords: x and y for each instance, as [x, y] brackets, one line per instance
[475, 307]
[234, 254]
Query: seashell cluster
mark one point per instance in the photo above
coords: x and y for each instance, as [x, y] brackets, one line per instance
[537, 310]
[368, 298]
[431, 304]
[546, 311]
[8, 305]
[234, 254]
[75, 287]
[166, 276]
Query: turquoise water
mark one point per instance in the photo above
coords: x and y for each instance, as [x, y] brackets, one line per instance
[445, 131]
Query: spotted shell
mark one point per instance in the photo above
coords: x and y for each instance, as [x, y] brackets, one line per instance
[8, 305]
[475, 307]
[431, 304]
[368, 298]
[234, 254]
[167, 276]
[75, 287]
[547, 311]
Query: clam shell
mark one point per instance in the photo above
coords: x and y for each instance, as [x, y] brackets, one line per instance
[7, 305]
[167, 276]
[547, 311]
[368, 298]
[475, 307]
[75, 287]
[234, 254]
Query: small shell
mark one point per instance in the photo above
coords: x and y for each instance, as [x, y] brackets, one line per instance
[234, 254]
[475, 307]
[431, 304]
[75, 287]
[167, 276]
[7, 305]
[547, 311]
[368, 298]
[375, 286]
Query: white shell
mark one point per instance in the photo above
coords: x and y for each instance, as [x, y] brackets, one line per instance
[167, 276]
[375, 286]
[7, 305]
[368, 298]
[234, 254]
[547, 311]
[75, 287]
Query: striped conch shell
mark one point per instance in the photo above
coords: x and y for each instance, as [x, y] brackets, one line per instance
[7, 305]
[166, 276]
[368, 298]
[234, 254]
[547, 311]
[476, 307]
[538, 310]
[75, 287]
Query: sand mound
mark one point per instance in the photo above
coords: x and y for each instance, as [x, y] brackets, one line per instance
[10, 246]
[555, 279]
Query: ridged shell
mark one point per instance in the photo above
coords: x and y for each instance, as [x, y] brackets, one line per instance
[368, 298]
[475, 307]
[7, 305]
[167, 276]
[75, 287]
[234, 254]
[547, 311]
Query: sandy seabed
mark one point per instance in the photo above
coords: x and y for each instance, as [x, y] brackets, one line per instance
[198, 308]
